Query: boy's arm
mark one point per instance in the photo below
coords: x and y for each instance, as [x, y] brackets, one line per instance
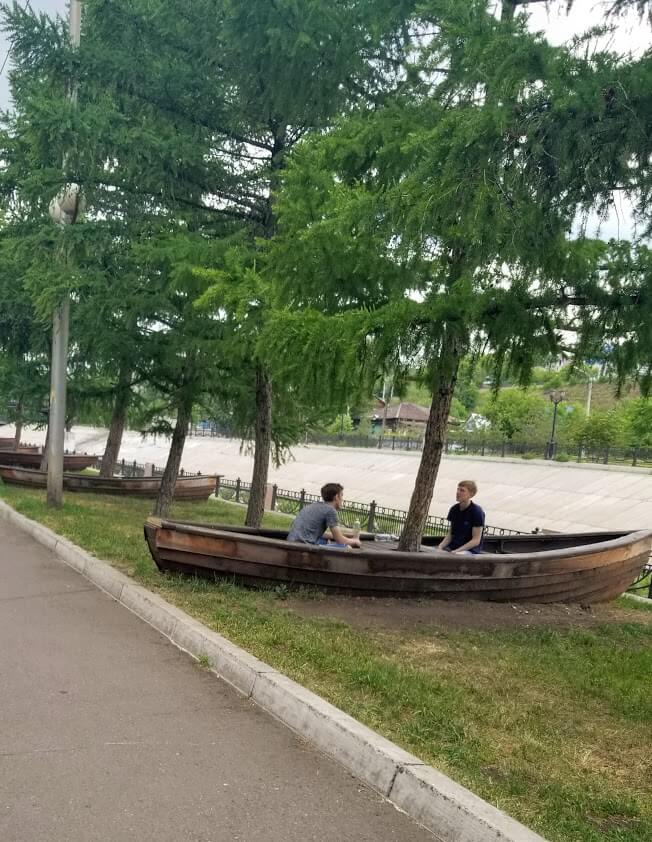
[447, 539]
[476, 537]
[340, 537]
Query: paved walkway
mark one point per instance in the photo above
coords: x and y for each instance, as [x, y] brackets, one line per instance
[109, 733]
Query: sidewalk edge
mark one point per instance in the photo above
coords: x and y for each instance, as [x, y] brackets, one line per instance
[451, 812]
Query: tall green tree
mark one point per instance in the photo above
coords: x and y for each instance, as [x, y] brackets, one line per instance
[437, 222]
[214, 143]
[512, 410]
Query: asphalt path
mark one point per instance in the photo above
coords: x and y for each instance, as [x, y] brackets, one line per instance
[108, 732]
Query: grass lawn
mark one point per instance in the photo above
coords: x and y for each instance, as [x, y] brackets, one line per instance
[550, 724]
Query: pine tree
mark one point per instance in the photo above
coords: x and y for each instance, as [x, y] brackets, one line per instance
[440, 220]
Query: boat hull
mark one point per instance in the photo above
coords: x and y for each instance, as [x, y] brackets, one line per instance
[186, 488]
[585, 568]
[31, 458]
[7, 446]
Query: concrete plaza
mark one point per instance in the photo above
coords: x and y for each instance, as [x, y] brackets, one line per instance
[515, 494]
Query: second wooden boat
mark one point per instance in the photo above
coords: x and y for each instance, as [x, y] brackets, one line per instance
[31, 458]
[186, 488]
[8, 447]
[584, 567]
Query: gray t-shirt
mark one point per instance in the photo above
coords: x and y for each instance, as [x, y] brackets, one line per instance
[311, 523]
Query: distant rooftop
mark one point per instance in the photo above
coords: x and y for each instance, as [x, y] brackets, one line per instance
[405, 412]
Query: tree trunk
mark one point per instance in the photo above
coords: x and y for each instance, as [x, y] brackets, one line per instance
[433, 445]
[44, 457]
[18, 424]
[169, 481]
[262, 448]
[118, 420]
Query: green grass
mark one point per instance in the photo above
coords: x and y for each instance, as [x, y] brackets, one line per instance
[551, 726]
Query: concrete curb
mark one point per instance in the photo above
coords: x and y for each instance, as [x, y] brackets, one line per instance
[644, 600]
[451, 812]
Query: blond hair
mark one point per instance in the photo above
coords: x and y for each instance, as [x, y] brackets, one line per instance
[470, 485]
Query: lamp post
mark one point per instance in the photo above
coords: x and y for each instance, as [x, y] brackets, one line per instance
[556, 397]
[64, 209]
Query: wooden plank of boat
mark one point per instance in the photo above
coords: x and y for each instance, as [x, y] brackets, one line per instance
[539, 588]
[554, 568]
[187, 487]
[32, 459]
[24, 448]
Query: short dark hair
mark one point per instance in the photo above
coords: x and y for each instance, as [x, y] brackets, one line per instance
[330, 491]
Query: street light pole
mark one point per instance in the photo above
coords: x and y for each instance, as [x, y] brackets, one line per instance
[556, 397]
[60, 210]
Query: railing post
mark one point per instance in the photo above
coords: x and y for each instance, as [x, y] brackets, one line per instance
[237, 490]
[634, 457]
[372, 516]
[393, 442]
[606, 455]
[466, 445]
[133, 470]
[217, 486]
[482, 448]
[502, 448]
[274, 492]
[181, 472]
[302, 499]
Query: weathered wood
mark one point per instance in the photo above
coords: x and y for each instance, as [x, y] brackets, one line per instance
[6, 446]
[30, 458]
[187, 488]
[553, 568]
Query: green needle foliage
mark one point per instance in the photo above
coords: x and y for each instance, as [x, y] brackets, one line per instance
[439, 221]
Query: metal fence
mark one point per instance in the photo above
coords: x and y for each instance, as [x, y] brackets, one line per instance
[370, 516]
[643, 585]
[128, 469]
[481, 446]
[472, 445]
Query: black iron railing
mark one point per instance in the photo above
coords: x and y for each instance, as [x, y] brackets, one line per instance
[476, 445]
[128, 469]
[471, 445]
[370, 516]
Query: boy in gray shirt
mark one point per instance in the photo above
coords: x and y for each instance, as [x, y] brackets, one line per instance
[311, 523]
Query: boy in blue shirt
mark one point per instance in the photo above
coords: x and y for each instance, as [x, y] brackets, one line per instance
[465, 521]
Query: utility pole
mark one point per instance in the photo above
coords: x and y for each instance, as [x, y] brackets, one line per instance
[588, 397]
[64, 209]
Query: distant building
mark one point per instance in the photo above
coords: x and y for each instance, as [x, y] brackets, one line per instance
[476, 422]
[401, 417]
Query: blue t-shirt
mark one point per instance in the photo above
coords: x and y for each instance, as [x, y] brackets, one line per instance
[462, 523]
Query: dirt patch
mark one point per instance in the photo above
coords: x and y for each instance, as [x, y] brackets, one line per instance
[411, 614]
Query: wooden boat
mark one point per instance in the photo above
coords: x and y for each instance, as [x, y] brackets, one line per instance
[583, 567]
[31, 458]
[8, 446]
[187, 488]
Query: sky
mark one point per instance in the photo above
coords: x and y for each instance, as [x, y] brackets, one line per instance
[632, 34]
